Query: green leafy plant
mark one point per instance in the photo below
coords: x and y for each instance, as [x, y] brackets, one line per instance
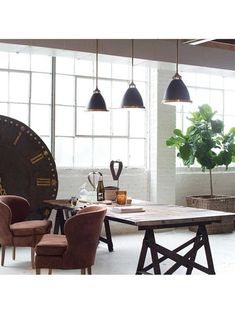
[204, 142]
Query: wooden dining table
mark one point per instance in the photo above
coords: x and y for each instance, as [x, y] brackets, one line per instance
[161, 216]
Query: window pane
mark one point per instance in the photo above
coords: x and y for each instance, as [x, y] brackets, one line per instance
[216, 81]
[202, 80]
[41, 88]
[64, 122]
[19, 112]
[40, 63]
[202, 96]
[101, 123]
[120, 150]
[64, 152]
[19, 61]
[118, 91]
[119, 122]
[120, 71]
[229, 100]
[136, 153]
[139, 73]
[4, 86]
[3, 109]
[41, 119]
[64, 90]
[216, 101]
[229, 122]
[84, 122]
[83, 152]
[84, 67]
[229, 83]
[19, 87]
[4, 60]
[85, 89]
[101, 153]
[65, 65]
[104, 69]
[137, 123]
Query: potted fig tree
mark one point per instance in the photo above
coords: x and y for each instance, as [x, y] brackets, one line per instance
[206, 143]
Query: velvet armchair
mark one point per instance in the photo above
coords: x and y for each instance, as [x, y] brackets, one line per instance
[15, 230]
[76, 249]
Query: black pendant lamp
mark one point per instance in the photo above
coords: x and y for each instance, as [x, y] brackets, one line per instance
[132, 97]
[97, 102]
[177, 91]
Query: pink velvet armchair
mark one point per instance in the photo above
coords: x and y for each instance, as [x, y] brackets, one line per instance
[15, 230]
[76, 249]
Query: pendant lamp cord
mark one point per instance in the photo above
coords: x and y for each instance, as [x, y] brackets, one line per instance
[177, 55]
[96, 63]
[132, 59]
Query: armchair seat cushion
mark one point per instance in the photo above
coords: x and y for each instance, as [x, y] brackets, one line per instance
[31, 227]
[52, 245]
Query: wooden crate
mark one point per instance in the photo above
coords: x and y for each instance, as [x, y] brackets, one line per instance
[219, 202]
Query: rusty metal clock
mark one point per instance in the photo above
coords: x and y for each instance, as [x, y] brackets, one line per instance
[27, 167]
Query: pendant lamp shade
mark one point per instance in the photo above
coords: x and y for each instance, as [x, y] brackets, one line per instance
[132, 97]
[177, 91]
[96, 102]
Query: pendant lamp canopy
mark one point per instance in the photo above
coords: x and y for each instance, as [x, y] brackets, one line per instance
[177, 92]
[132, 97]
[96, 102]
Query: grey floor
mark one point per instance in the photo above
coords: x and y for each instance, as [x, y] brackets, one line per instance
[123, 260]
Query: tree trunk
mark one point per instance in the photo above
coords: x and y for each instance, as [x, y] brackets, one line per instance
[211, 187]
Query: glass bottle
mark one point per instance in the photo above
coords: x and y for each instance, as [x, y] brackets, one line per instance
[100, 189]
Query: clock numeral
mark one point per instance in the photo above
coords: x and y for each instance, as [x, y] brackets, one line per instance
[43, 182]
[46, 182]
[17, 138]
[38, 157]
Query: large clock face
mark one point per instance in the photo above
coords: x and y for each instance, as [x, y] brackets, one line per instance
[27, 167]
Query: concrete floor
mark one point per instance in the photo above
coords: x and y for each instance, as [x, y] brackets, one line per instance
[123, 260]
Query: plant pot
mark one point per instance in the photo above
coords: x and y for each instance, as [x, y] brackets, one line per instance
[218, 202]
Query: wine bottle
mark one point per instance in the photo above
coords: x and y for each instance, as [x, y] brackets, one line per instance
[100, 189]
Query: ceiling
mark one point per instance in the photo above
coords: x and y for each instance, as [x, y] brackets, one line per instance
[228, 44]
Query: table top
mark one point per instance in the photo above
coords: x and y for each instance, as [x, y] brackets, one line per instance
[159, 215]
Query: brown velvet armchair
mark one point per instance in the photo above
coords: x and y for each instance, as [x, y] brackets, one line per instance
[15, 230]
[76, 249]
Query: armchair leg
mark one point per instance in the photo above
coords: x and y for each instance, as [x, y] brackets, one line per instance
[83, 271]
[49, 271]
[38, 271]
[32, 256]
[13, 252]
[89, 270]
[3, 255]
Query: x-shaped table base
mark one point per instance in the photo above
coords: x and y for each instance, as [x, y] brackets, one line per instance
[187, 260]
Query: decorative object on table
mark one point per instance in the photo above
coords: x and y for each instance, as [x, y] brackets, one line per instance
[206, 143]
[176, 93]
[100, 189]
[116, 171]
[128, 209]
[128, 200]
[132, 97]
[73, 201]
[97, 102]
[110, 193]
[27, 167]
[121, 197]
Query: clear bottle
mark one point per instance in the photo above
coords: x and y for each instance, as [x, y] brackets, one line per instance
[100, 189]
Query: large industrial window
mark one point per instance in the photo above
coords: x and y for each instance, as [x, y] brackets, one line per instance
[82, 139]
[217, 90]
